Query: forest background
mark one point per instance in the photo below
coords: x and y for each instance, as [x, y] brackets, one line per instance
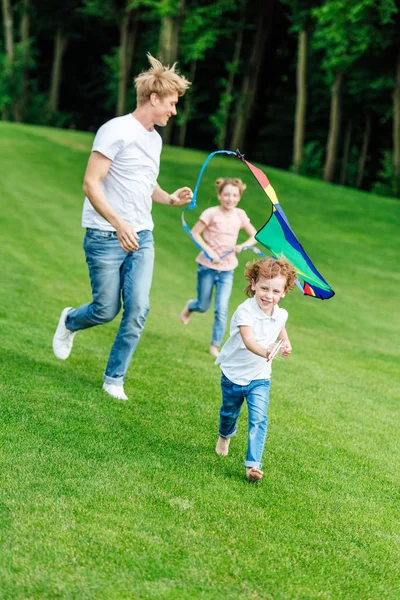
[312, 86]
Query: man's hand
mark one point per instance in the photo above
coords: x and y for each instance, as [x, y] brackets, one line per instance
[181, 197]
[127, 237]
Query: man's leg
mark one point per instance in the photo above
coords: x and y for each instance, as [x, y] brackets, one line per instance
[136, 276]
[104, 257]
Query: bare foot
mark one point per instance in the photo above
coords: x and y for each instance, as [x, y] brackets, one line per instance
[253, 474]
[214, 351]
[222, 447]
[185, 314]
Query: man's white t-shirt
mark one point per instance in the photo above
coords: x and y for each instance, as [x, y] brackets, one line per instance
[128, 186]
[239, 364]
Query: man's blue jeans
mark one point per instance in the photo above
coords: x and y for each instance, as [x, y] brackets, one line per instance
[116, 275]
[206, 280]
[257, 397]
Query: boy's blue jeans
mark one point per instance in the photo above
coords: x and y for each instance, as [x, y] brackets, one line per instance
[257, 397]
[116, 275]
[206, 280]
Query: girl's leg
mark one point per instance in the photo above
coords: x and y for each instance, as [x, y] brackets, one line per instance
[232, 400]
[257, 396]
[224, 282]
[205, 284]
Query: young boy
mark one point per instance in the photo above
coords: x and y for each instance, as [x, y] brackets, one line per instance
[255, 326]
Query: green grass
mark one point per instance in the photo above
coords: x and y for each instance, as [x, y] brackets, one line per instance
[107, 500]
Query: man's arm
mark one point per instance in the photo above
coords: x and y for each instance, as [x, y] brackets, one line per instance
[96, 170]
[180, 197]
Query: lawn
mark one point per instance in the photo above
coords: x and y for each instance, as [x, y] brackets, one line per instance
[101, 499]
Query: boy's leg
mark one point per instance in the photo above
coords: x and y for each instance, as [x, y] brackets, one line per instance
[257, 396]
[136, 277]
[224, 282]
[232, 400]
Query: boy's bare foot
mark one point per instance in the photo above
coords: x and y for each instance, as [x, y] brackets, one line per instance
[222, 447]
[253, 474]
[214, 351]
[185, 314]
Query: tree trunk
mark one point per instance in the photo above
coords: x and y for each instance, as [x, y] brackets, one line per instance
[24, 34]
[346, 152]
[250, 79]
[396, 125]
[60, 44]
[301, 101]
[334, 128]
[229, 89]
[123, 58]
[168, 51]
[187, 107]
[8, 29]
[364, 151]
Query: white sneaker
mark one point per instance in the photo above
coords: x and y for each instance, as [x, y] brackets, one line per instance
[63, 337]
[116, 391]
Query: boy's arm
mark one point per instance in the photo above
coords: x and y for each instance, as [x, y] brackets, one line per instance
[251, 344]
[251, 241]
[196, 231]
[287, 346]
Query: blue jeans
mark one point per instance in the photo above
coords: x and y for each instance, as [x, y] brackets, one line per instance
[206, 280]
[257, 397]
[116, 275]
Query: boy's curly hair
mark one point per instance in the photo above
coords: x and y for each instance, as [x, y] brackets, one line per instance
[224, 181]
[269, 268]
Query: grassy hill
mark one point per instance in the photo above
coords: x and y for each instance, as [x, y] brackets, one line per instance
[101, 499]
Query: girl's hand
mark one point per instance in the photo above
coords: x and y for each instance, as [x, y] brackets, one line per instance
[238, 248]
[215, 257]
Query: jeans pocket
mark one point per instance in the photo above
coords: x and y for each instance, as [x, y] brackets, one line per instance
[99, 235]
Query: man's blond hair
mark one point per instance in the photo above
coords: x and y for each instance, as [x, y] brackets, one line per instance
[161, 80]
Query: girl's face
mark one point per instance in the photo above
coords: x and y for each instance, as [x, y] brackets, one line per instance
[229, 197]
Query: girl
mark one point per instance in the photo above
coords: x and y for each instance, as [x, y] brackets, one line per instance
[219, 226]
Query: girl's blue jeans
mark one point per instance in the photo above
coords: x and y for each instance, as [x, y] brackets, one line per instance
[257, 397]
[206, 280]
[116, 277]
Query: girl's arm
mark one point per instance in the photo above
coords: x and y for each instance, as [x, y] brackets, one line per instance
[251, 241]
[287, 346]
[251, 344]
[196, 231]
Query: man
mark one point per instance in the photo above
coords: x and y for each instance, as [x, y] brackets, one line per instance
[120, 184]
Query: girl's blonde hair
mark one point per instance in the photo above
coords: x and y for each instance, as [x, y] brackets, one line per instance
[161, 80]
[269, 268]
[224, 181]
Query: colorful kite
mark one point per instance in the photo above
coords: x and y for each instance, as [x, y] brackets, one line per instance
[276, 235]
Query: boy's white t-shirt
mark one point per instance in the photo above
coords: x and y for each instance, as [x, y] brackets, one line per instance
[239, 364]
[132, 177]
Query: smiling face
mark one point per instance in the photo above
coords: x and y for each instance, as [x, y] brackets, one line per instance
[229, 197]
[163, 108]
[268, 292]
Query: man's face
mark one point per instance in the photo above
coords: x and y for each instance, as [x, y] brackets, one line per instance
[164, 108]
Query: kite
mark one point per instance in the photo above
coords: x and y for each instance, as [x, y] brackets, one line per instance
[276, 235]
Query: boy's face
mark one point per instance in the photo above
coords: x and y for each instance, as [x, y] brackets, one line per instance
[229, 197]
[268, 292]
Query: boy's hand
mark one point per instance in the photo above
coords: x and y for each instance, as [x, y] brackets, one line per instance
[286, 349]
[268, 350]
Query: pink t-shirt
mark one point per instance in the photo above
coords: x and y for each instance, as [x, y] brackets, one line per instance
[221, 234]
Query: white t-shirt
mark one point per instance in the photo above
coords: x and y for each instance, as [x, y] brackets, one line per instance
[132, 177]
[239, 364]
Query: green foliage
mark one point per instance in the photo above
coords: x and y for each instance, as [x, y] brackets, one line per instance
[312, 161]
[388, 183]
